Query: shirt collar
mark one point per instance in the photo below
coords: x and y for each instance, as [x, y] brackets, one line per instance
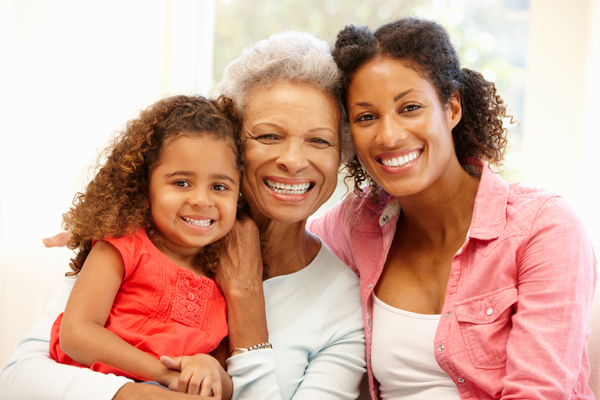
[489, 213]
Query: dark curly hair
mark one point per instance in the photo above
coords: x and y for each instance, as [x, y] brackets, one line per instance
[116, 202]
[426, 47]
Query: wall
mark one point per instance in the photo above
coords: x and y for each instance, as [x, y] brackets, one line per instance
[562, 103]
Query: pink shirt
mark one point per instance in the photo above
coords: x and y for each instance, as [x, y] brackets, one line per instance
[515, 319]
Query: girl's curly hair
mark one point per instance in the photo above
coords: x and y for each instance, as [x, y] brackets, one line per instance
[116, 202]
[426, 47]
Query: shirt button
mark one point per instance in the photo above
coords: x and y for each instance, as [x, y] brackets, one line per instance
[369, 322]
[441, 347]
[191, 296]
[447, 314]
[370, 285]
[461, 380]
[489, 311]
[190, 308]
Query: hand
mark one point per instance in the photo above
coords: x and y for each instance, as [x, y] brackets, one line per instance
[200, 374]
[143, 391]
[240, 278]
[240, 265]
[57, 240]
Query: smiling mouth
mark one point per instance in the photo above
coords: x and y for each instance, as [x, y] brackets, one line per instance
[198, 222]
[402, 160]
[284, 188]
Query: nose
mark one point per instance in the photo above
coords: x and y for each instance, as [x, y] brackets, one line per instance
[390, 132]
[201, 198]
[292, 156]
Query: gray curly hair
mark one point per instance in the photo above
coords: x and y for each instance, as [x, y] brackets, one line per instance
[296, 57]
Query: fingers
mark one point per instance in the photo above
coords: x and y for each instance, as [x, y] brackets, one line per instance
[217, 390]
[199, 383]
[58, 240]
[171, 363]
[206, 388]
[195, 384]
[184, 380]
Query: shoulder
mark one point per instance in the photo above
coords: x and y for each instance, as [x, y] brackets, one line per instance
[361, 211]
[334, 263]
[529, 204]
[333, 274]
[135, 248]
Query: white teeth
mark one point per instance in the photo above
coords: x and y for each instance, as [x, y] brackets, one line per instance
[197, 222]
[400, 161]
[282, 188]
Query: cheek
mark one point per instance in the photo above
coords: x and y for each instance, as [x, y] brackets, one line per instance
[248, 186]
[328, 166]
[361, 142]
[230, 211]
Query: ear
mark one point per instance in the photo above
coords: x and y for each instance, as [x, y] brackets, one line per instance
[454, 109]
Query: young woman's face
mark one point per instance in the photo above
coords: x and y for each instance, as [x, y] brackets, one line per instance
[401, 131]
[291, 141]
[193, 193]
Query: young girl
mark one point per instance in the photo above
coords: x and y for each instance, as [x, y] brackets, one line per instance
[147, 232]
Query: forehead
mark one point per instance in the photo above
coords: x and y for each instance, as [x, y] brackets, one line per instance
[180, 139]
[287, 102]
[387, 72]
[197, 152]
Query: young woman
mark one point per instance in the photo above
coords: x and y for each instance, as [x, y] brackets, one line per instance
[472, 287]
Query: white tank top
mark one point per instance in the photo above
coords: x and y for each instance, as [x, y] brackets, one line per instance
[402, 355]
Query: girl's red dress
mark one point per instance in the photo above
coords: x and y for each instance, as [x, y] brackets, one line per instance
[160, 308]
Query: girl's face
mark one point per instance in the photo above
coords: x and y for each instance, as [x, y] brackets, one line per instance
[291, 141]
[401, 131]
[193, 193]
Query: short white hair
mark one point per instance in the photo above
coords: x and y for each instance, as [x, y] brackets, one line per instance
[295, 57]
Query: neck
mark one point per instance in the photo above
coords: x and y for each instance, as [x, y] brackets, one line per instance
[443, 212]
[287, 247]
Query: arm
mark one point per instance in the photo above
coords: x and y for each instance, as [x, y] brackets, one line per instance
[31, 374]
[335, 372]
[556, 279]
[83, 336]
[239, 276]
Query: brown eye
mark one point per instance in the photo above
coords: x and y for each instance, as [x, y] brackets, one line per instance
[411, 107]
[365, 117]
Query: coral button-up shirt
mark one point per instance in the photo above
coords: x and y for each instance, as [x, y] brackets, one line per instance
[514, 324]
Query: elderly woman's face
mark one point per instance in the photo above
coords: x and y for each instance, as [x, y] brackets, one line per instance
[291, 140]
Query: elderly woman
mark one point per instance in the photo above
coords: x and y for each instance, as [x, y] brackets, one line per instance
[308, 308]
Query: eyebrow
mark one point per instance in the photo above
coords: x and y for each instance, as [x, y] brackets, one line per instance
[271, 124]
[401, 95]
[189, 173]
[281, 128]
[398, 97]
[321, 128]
